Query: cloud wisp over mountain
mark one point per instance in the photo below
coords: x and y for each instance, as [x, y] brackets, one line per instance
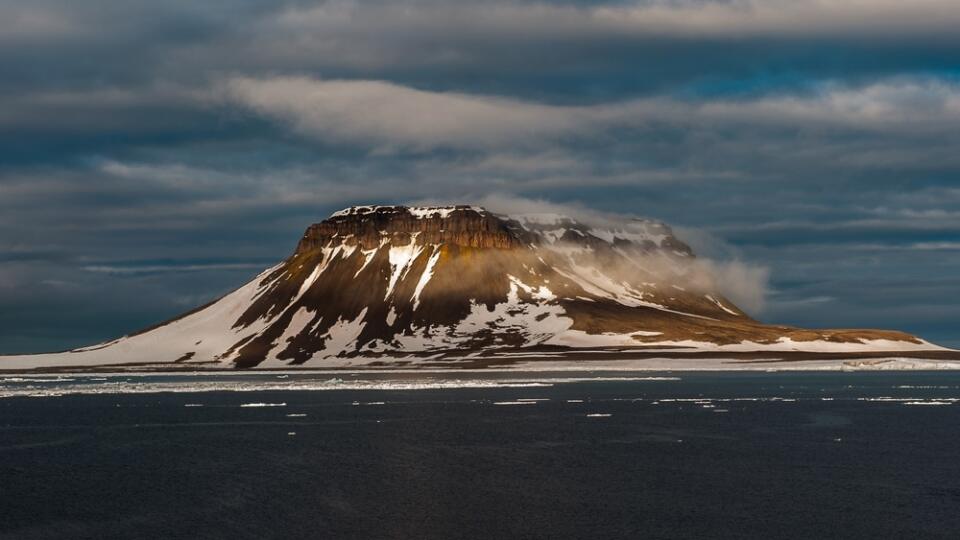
[818, 140]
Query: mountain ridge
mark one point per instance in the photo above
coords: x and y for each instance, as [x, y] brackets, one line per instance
[398, 286]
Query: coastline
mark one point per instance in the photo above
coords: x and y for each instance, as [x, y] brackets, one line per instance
[617, 361]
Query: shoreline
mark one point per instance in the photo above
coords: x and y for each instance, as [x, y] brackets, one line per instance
[941, 361]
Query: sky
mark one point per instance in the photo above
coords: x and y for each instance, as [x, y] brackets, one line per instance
[155, 155]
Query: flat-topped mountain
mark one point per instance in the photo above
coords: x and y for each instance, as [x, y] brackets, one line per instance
[456, 286]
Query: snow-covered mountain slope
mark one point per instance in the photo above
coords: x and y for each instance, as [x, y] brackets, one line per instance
[392, 286]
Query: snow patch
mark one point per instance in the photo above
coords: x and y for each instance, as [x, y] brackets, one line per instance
[401, 259]
[297, 324]
[420, 212]
[368, 255]
[720, 305]
[579, 338]
[342, 336]
[425, 276]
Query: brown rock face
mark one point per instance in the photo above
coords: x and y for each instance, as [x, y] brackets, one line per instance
[368, 227]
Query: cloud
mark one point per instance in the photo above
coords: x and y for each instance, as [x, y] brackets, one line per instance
[562, 21]
[379, 113]
[746, 284]
[562, 50]
[776, 17]
[19, 21]
[935, 246]
[383, 113]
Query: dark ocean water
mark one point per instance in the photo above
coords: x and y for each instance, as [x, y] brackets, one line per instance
[762, 455]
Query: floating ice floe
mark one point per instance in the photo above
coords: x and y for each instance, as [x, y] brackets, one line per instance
[263, 405]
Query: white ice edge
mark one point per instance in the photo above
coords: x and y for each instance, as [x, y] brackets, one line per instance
[682, 365]
[706, 402]
[646, 365]
[201, 386]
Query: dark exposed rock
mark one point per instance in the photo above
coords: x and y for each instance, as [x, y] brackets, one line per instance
[460, 225]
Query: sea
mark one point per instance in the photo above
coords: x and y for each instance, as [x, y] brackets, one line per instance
[599, 455]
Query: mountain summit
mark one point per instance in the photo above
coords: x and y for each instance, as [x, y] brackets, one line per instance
[461, 286]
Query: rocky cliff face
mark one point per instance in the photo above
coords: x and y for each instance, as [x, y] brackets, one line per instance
[370, 226]
[397, 286]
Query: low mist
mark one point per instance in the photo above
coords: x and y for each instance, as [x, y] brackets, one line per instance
[714, 270]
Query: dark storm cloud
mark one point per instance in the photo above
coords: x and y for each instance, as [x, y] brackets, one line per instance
[152, 154]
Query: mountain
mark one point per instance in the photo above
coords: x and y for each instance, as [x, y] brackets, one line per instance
[394, 286]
